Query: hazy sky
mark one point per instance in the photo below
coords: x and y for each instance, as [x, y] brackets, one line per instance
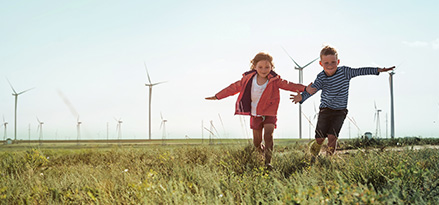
[93, 54]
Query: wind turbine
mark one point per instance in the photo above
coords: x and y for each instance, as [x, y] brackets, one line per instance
[163, 124]
[150, 85]
[40, 128]
[355, 124]
[15, 94]
[4, 125]
[300, 68]
[377, 119]
[119, 128]
[78, 129]
[392, 115]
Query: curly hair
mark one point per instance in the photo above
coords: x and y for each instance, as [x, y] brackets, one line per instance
[259, 57]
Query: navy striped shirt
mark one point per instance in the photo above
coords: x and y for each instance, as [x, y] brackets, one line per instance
[335, 88]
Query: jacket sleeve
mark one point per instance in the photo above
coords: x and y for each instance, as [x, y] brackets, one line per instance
[230, 90]
[286, 85]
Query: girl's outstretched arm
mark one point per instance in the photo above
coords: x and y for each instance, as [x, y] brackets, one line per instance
[211, 98]
[296, 98]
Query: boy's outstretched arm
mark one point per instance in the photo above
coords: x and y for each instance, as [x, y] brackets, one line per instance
[211, 98]
[310, 89]
[385, 69]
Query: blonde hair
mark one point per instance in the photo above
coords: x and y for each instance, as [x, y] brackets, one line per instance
[328, 50]
[259, 57]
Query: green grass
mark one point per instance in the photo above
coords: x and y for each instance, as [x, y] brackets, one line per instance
[231, 173]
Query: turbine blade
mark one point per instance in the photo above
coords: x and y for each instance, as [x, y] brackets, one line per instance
[298, 66]
[309, 63]
[24, 91]
[38, 120]
[159, 83]
[11, 86]
[161, 116]
[149, 79]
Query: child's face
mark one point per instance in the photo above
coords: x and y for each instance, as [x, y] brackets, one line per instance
[329, 64]
[263, 68]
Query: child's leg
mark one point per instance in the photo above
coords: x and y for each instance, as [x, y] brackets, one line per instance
[268, 138]
[257, 138]
[332, 143]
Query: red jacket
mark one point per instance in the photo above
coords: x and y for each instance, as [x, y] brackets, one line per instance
[269, 101]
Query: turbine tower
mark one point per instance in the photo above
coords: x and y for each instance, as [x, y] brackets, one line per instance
[150, 85]
[392, 115]
[163, 124]
[300, 68]
[4, 125]
[40, 128]
[377, 119]
[15, 94]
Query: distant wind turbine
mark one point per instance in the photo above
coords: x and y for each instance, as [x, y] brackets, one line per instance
[78, 129]
[377, 119]
[119, 128]
[15, 94]
[163, 125]
[40, 128]
[150, 85]
[300, 68]
[4, 125]
[355, 124]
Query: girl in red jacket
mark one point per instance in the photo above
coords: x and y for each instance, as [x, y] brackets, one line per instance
[259, 97]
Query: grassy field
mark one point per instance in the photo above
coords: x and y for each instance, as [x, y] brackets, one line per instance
[228, 172]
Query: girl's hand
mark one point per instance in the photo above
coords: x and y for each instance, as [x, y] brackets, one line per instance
[211, 98]
[385, 69]
[310, 89]
[296, 98]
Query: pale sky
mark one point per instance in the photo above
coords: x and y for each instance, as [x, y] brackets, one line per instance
[93, 52]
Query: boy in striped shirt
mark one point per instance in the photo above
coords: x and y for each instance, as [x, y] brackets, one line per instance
[334, 83]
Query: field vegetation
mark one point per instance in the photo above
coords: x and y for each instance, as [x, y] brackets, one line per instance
[233, 173]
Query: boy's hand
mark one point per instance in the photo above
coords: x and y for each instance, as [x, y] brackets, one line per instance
[385, 69]
[211, 98]
[296, 98]
[310, 89]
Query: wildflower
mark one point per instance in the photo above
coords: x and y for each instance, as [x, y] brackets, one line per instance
[126, 170]
[41, 174]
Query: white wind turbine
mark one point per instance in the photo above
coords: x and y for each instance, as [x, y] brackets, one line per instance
[150, 85]
[300, 68]
[377, 119]
[78, 129]
[15, 94]
[119, 128]
[163, 125]
[4, 125]
[40, 128]
[355, 124]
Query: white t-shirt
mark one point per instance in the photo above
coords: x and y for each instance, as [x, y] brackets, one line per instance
[256, 93]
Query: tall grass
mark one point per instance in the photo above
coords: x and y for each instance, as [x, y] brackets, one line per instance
[216, 175]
